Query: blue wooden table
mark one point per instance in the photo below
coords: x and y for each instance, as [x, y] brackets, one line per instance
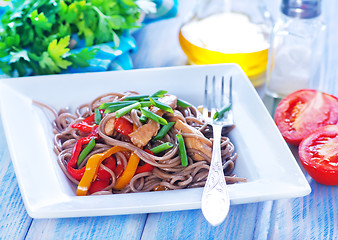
[311, 217]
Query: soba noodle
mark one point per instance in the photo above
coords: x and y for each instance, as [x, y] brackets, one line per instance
[168, 174]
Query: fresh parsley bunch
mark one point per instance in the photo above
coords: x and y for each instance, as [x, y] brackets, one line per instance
[36, 35]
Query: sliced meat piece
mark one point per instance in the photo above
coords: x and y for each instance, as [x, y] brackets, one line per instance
[194, 143]
[143, 134]
[109, 127]
[173, 117]
[170, 100]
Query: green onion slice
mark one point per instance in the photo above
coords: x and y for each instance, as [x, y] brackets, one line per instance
[109, 104]
[135, 97]
[97, 116]
[163, 131]
[154, 116]
[162, 147]
[143, 118]
[145, 103]
[183, 151]
[114, 108]
[183, 104]
[220, 114]
[84, 153]
[161, 105]
[159, 93]
[127, 109]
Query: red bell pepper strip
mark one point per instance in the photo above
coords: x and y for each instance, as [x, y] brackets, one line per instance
[119, 168]
[98, 185]
[87, 124]
[78, 173]
[123, 126]
[92, 167]
[146, 167]
[110, 163]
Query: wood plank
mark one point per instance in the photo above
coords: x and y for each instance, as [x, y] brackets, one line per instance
[14, 220]
[108, 227]
[304, 218]
[239, 224]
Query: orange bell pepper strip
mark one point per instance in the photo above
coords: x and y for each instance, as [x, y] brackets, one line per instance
[92, 168]
[128, 173]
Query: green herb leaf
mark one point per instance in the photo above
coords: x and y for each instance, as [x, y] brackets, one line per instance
[81, 59]
[57, 51]
[34, 34]
[15, 56]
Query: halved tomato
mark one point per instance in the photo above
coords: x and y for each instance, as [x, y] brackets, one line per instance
[303, 111]
[318, 153]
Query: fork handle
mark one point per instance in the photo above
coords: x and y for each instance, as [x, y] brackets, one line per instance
[215, 198]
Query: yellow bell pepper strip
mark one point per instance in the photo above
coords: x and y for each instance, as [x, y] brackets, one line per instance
[92, 168]
[128, 173]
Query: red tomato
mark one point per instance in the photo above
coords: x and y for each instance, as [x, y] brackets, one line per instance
[110, 163]
[123, 126]
[98, 185]
[318, 153]
[303, 111]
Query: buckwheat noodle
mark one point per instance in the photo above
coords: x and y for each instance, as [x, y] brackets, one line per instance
[168, 173]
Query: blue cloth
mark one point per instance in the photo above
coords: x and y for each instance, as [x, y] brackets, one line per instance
[164, 9]
[109, 57]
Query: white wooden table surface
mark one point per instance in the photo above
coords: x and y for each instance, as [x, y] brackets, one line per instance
[311, 217]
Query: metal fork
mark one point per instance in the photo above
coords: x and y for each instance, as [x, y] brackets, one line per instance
[215, 198]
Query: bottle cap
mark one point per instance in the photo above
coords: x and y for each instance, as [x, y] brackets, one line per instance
[301, 8]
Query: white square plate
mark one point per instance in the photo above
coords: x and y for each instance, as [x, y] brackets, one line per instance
[264, 158]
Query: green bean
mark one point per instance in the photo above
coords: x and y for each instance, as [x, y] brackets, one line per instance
[162, 147]
[127, 109]
[161, 105]
[163, 131]
[154, 116]
[182, 103]
[135, 97]
[86, 151]
[97, 116]
[219, 114]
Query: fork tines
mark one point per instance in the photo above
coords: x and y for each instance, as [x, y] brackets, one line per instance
[216, 90]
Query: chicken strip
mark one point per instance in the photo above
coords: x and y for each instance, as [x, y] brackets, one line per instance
[194, 143]
[143, 134]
